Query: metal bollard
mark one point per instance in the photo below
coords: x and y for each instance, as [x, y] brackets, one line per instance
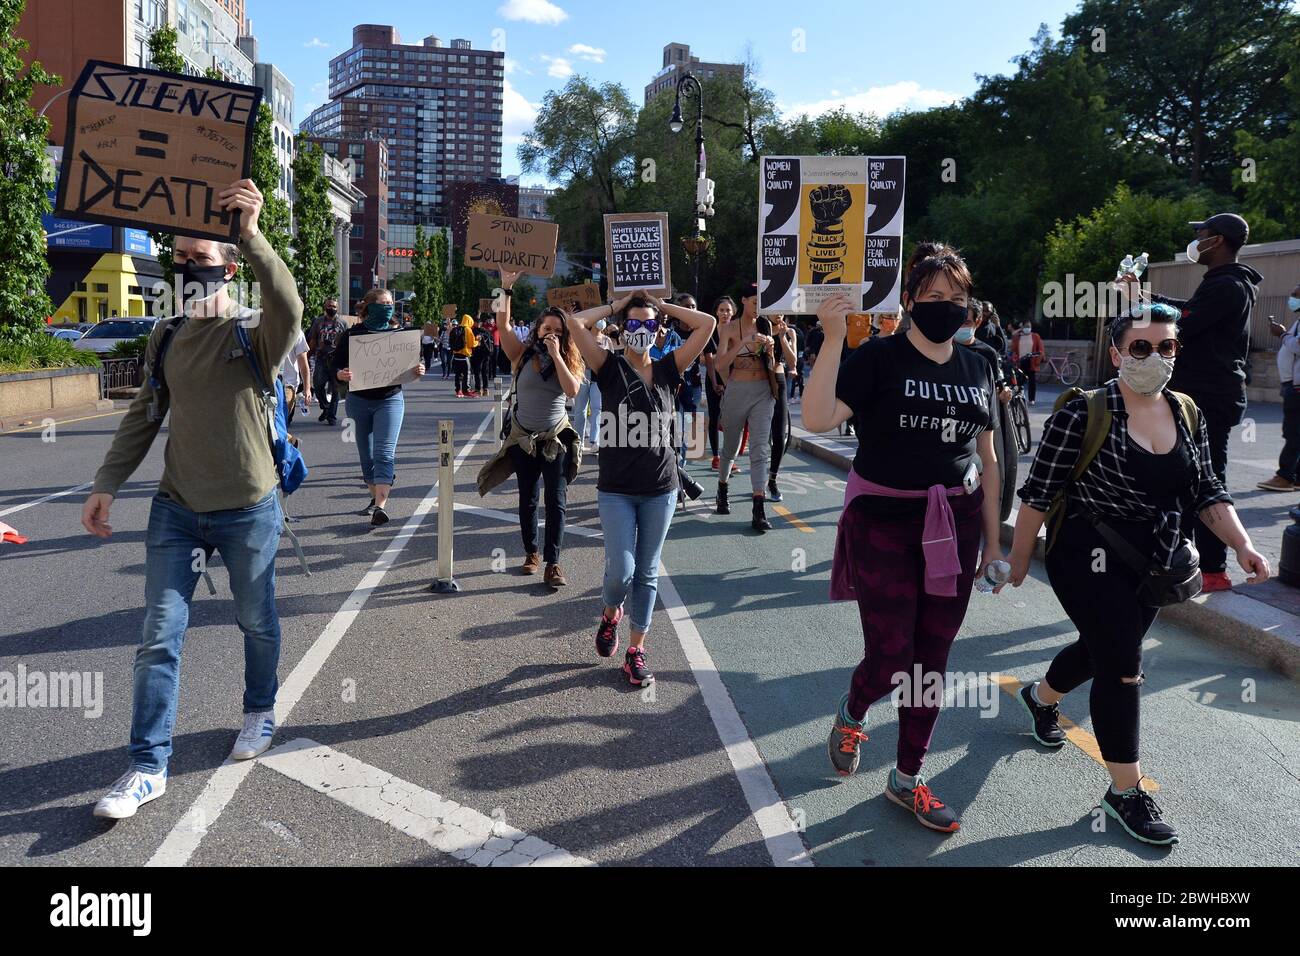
[445, 582]
[500, 419]
[1288, 569]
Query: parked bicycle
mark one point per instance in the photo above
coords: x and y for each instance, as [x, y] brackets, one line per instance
[1018, 408]
[1064, 368]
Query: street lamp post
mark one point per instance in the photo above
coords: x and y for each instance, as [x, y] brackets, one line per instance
[696, 243]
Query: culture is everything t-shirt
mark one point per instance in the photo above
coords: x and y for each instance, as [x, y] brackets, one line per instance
[636, 453]
[917, 420]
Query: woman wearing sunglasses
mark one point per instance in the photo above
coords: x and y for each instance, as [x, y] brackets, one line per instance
[636, 489]
[1120, 490]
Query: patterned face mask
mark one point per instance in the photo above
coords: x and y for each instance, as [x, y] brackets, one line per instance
[1146, 376]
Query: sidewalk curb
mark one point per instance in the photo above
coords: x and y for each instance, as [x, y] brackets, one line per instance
[63, 414]
[1235, 620]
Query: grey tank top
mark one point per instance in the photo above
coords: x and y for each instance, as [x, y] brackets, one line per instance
[540, 403]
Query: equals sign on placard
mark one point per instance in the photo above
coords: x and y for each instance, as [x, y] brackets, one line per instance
[149, 136]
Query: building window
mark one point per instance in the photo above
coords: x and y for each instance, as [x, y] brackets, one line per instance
[358, 230]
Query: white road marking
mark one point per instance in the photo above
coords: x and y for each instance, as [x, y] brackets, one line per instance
[422, 814]
[774, 821]
[505, 516]
[186, 835]
[40, 501]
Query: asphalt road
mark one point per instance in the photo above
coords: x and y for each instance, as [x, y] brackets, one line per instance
[406, 716]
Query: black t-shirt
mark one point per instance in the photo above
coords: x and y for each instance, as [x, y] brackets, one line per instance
[917, 420]
[636, 453]
[813, 343]
[989, 355]
[340, 362]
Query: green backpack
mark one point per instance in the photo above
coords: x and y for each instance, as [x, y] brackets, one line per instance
[1094, 436]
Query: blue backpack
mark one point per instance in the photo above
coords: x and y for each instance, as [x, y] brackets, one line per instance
[290, 468]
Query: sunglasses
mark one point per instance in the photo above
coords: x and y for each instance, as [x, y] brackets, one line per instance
[650, 325]
[1141, 348]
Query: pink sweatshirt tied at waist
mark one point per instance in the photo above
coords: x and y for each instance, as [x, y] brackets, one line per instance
[938, 538]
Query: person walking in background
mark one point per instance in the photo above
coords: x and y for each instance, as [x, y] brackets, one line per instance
[785, 358]
[1214, 334]
[484, 358]
[1027, 353]
[724, 310]
[376, 412]
[322, 337]
[428, 342]
[296, 375]
[636, 490]
[444, 347]
[462, 343]
[1288, 373]
[587, 404]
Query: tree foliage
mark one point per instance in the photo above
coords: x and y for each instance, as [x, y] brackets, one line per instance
[315, 262]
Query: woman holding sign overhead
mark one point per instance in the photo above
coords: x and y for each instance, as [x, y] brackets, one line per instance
[376, 413]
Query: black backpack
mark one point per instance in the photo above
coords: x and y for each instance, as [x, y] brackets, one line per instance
[458, 338]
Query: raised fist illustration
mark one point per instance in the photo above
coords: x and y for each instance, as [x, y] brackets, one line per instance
[826, 245]
[829, 204]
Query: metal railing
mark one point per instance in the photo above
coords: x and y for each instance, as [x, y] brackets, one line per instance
[119, 373]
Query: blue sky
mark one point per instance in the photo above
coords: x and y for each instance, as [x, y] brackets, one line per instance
[866, 54]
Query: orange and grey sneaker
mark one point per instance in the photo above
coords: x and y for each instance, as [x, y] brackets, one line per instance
[930, 811]
[845, 742]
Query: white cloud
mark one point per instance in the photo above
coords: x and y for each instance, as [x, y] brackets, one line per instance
[583, 52]
[881, 100]
[532, 11]
[321, 88]
[517, 115]
[513, 66]
[317, 43]
[560, 68]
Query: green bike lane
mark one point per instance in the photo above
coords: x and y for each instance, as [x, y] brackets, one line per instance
[1219, 730]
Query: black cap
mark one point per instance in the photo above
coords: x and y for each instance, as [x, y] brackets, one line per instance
[1227, 224]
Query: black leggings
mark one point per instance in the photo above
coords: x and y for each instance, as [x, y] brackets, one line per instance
[780, 414]
[1099, 593]
[532, 470]
[482, 372]
[460, 365]
[715, 413]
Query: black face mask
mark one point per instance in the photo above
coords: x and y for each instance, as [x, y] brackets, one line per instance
[211, 278]
[938, 321]
[331, 312]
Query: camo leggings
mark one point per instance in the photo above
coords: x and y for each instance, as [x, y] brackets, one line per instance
[902, 626]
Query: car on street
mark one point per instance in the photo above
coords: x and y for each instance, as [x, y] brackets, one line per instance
[104, 336]
[70, 334]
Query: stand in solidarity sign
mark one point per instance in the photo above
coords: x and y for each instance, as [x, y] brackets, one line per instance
[511, 245]
[151, 150]
[830, 225]
[636, 245]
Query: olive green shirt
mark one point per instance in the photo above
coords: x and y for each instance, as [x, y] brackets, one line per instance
[218, 455]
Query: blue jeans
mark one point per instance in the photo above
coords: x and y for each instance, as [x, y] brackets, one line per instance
[635, 527]
[378, 423]
[586, 411]
[247, 539]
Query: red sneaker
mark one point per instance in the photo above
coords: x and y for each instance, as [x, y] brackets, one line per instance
[1215, 581]
[715, 464]
[460, 394]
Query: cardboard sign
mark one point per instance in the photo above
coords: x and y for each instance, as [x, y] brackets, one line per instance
[485, 306]
[383, 358]
[636, 247]
[574, 298]
[828, 226]
[151, 150]
[501, 243]
[449, 311]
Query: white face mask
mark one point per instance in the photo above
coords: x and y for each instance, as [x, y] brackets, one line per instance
[1146, 376]
[639, 341]
[600, 325]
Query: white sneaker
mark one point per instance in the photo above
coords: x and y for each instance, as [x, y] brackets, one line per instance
[132, 790]
[259, 728]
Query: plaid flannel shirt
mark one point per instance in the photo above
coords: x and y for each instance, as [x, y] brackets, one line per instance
[1106, 489]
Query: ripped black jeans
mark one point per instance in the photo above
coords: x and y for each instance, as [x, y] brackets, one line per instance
[1099, 593]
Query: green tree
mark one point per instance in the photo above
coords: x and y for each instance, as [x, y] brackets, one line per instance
[1272, 204]
[315, 262]
[275, 221]
[163, 55]
[428, 276]
[1187, 75]
[437, 247]
[24, 303]
[1091, 246]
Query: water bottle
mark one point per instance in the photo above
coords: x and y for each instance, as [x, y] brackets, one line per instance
[1140, 265]
[302, 404]
[1125, 267]
[995, 575]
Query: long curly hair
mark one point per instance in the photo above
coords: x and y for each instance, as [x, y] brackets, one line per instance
[568, 348]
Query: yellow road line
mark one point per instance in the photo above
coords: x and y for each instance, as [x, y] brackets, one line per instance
[789, 516]
[1073, 732]
[69, 421]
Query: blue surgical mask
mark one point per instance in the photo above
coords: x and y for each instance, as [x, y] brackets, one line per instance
[1293, 303]
[378, 315]
[964, 335]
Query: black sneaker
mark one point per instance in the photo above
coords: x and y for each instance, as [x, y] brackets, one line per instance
[724, 506]
[1045, 719]
[759, 520]
[378, 517]
[331, 421]
[607, 634]
[323, 416]
[773, 492]
[634, 667]
[368, 510]
[1139, 815]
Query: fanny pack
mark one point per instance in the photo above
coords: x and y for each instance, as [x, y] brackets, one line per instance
[1160, 586]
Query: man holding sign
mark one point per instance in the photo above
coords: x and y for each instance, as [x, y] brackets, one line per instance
[218, 488]
[375, 362]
